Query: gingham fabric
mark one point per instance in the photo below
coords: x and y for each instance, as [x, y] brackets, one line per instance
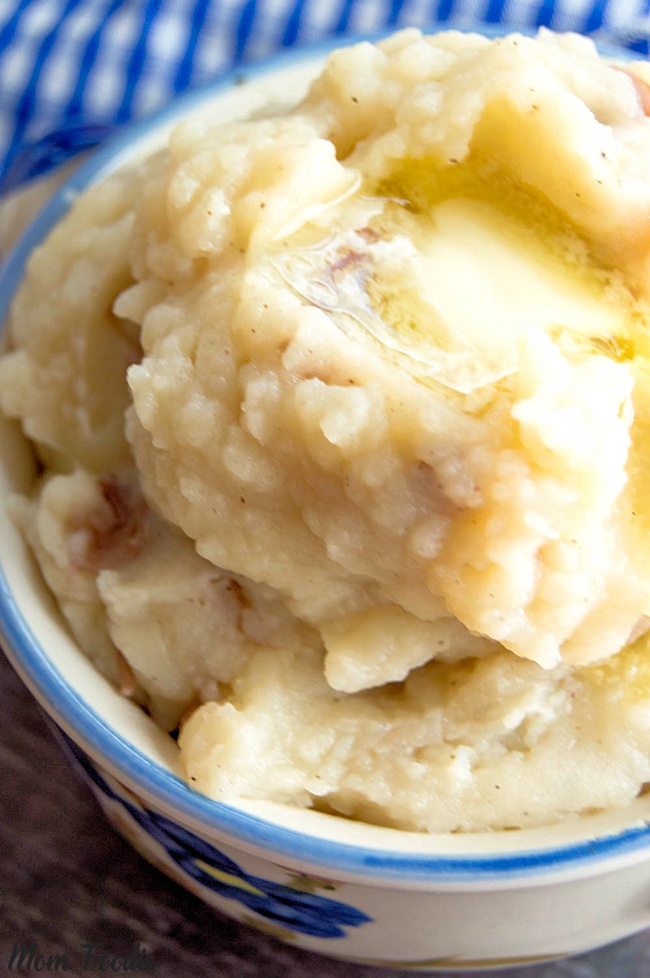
[71, 70]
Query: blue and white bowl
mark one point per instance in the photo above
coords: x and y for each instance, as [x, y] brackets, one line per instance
[371, 895]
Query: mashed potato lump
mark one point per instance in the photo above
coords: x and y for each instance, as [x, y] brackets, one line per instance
[344, 420]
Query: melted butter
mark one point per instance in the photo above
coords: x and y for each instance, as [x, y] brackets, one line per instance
[421, 184]
[628, 670]
[494, 261]
[448, 268]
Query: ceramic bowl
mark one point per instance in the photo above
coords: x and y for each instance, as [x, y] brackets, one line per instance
[327, 884]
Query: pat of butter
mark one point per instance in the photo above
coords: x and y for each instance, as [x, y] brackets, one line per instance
[490, 281]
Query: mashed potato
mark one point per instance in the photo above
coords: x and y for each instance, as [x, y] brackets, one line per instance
[343, 413]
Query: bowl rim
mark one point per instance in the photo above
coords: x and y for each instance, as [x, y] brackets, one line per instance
[594, 852]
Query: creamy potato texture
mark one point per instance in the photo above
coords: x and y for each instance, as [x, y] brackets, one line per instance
[344, 417]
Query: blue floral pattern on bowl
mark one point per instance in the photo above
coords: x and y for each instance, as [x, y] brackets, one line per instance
[296, 909]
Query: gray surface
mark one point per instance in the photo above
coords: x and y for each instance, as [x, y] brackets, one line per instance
[66, 878]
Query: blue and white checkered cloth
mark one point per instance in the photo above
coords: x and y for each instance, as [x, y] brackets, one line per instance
[71, 70]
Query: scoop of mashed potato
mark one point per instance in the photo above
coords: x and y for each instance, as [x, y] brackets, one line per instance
[344, 418]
